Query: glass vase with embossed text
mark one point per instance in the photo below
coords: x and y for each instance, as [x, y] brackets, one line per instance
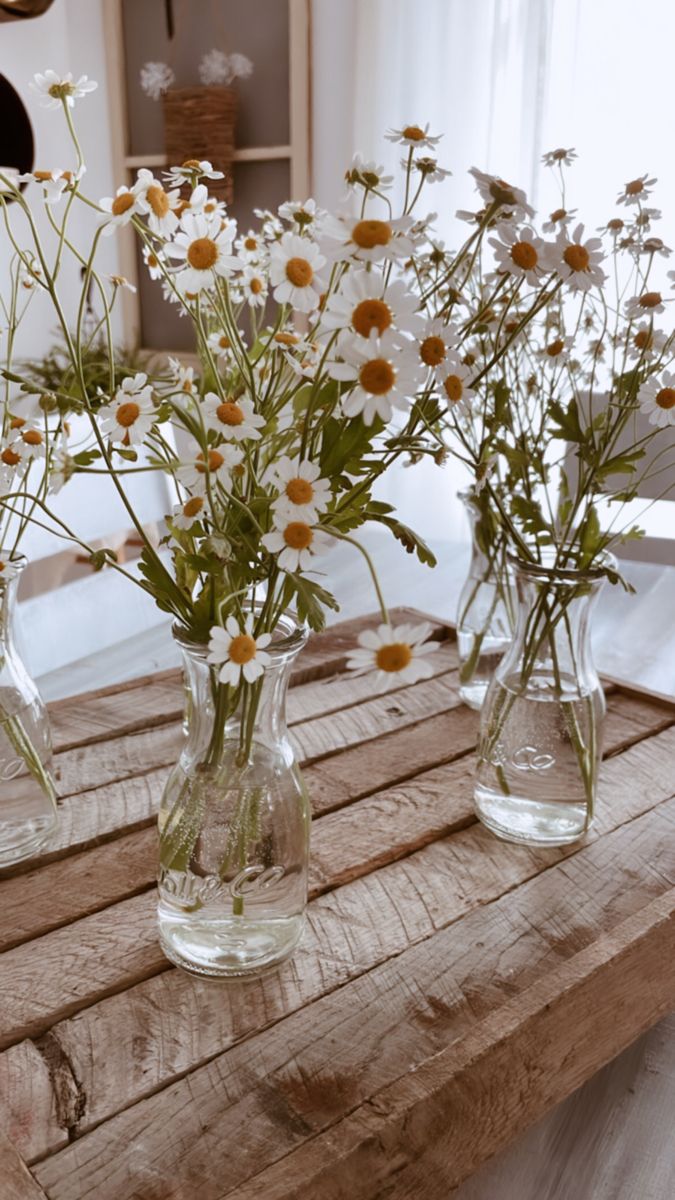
[486, 607]
[542, 721]
[27, 794]
[234, 822]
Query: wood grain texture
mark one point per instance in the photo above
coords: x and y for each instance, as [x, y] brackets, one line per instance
[289, 1084]
[433, 953]
[137, 1040]
[15, 1179]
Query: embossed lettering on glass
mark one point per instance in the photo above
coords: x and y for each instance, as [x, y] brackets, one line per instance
[27, 794]
[486, 608]
[234, 822]
[541, 724]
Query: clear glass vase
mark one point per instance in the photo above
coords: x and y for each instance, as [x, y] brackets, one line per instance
[234, 822]
[542, 721]
[27, 794]
[486, 608]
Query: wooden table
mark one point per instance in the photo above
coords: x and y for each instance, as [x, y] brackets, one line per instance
[448, 990]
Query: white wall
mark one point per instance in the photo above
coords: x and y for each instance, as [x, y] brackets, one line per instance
[69, 37]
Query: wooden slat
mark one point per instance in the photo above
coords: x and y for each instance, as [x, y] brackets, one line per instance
[35, 1108]
[15, 1178]
[288, 1084]
[134, 1042]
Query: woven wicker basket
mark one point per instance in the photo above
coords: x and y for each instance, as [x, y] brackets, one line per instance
[199, 123]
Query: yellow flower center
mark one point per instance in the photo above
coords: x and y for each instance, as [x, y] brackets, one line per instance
[42, 176]
[214, 461]
[192, 164]
[10, 457]
[122, 204]
[432, 351]
[524, 255]
[299, 272]
[369, 315]
[298, 535]
[152, 260]
[643, 339]
[286, 339]
[229, 413]
[224, 342]
[202, 254]
[17, 423]
[413, 133]
[635, 187]
[241, 649]
[558, 214]
[250, 243]
[299, 491]
[128, 413]
[650, 300]
[32, 437]
[394, 657]
[666, 398]
[576, 257]
[158, 200]
[368, 234]
[555, 348]
[454, 388]
[377, 376]
[193, 506]
[255, 285]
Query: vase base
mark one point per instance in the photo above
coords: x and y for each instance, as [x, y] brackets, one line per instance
[228, 948]
[530, 822]
[22, 839]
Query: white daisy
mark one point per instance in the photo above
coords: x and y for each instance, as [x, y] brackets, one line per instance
[62, 467]
[656, 398]
[645, 305]
[294, 265]
[413, 135]
[214, 468]
[236, 420]
[646, 342]
[158, 204]
[253, 284]
[184, 377]
[302, 216]
[155, 261]
[191, 170]
[119, 281]
[577, 261]
[237, 652]
[560, 157]
[363, 303]
[205, 246]
[398, 654]
[366, 239]
[130, 416]
[221, 346]
[30, 442]
[454, 384]
[296, 542]
[384, 372]
[120, 208]
[436, 344]
[519, 252]
[368, 174]
[556, 351]
[491, 188]
[54, 89]
[429, 168]
[251, 247]
[305, 359]
[302, 493]
[201, 204]
[185, 515]
[54, 183]
[558, 219]
[14, 464]
[636, 190]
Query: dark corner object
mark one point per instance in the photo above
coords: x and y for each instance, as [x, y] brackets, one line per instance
[16, 133]
[16, 10]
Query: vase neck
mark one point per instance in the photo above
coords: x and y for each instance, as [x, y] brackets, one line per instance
[8, 593]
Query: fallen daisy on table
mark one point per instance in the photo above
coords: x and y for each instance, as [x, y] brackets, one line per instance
[396, 653]
[237, 652]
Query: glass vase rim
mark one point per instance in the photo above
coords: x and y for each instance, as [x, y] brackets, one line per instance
[544, 573]
[294, 635]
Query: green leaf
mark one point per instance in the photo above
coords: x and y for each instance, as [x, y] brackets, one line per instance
[530, 515]
[567, 421]
[310, 600]
[411, 541]
[620, 464]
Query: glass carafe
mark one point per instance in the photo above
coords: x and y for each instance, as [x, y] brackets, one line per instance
[486, 608]
[27, 794]
[542, 721]
[234, 822]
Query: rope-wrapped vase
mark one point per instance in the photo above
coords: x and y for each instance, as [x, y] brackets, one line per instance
[199, 123]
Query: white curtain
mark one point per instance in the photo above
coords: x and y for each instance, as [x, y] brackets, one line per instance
[503, 80]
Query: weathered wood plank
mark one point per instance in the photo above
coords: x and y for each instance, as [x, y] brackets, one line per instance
[425, 1133]
[15, 1178]
[287, 1085]
[133, 1043]
[33, 1101]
